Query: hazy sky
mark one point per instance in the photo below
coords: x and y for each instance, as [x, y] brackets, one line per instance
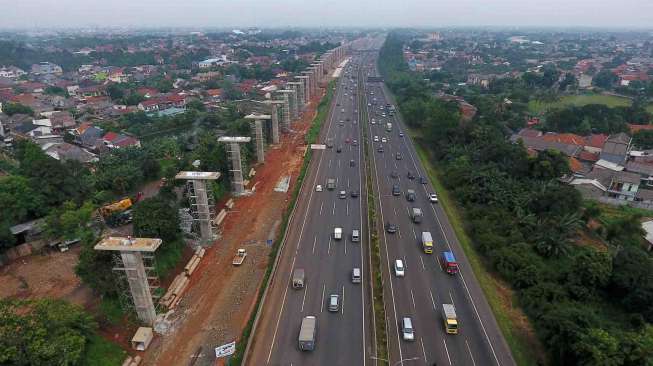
[308, 13]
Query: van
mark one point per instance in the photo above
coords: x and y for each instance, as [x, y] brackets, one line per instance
[334, 303]
[337, 233]
[356, 275]
[407, 330]
[355, 236]
[399, 268]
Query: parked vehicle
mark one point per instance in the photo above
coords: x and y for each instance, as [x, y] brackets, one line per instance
[307, 333]
[239, 258]
[450, 319]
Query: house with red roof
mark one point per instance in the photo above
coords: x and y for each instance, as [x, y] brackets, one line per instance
[150, 105]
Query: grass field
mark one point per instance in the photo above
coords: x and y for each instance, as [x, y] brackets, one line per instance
[515, 326]
[537, 107]
[100, 352]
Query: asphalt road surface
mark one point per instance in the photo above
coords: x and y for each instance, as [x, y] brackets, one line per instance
[343, 336]
[425, 286]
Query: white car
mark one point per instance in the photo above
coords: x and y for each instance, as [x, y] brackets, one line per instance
[399, 268]
[383, 139]
[318, 188]
[407, 329]
[433, 198]
[376, 138]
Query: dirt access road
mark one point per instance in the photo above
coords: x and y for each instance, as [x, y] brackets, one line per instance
[221, 297]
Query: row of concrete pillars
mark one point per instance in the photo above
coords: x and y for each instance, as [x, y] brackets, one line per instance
[287, 106]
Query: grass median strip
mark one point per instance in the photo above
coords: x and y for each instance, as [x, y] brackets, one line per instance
[513, 322]
[375, 247]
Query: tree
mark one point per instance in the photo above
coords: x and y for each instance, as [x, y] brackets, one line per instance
[156, 218]
[196, 105]
[605, 79]
[15, 108]
[56, 90]
[632, 280]
[18, 201]
[643, 139]
[598, 347]
[43, 332]
[70, 222]
[115, 91]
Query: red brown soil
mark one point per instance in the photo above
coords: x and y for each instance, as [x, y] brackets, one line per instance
[47, 275]
[221, 297]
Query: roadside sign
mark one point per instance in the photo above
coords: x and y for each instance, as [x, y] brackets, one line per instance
[225, 350]
[318, 146]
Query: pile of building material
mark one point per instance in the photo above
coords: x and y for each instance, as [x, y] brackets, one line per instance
[132, 361]
[179, 284]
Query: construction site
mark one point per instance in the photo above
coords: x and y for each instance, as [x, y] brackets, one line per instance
[210, 296]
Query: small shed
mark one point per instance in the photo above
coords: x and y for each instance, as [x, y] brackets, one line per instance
[142, 338]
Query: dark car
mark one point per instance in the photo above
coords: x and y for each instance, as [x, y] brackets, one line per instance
[423, 180]
[354, 193]
[339, 149]
[394, 174]
[352, 163]
[329, 144]
[391, 228]
[380, 149]
[395, 190]
[410, 175]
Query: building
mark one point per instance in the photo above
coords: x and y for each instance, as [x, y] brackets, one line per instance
[616, 148]
[46, 68]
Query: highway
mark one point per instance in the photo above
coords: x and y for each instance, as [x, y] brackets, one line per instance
[425, 286]
[343, 336]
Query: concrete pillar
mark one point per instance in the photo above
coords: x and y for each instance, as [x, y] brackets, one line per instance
[139, 286]
[260, 143]
[275, 121]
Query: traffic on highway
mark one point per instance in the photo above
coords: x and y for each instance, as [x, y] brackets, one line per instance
[319, 311]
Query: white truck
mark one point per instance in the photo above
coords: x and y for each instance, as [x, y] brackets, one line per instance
[307, 333]
[239, 258]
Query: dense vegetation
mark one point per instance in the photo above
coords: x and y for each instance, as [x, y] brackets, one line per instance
[43, 332]
[589, 305]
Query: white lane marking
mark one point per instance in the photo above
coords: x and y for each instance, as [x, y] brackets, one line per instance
[333, 211]
[412, 296]
[360, 210]
[446, 350]
[329, 163]
[414, 234]
[283, 302]
[347, 182]
[342, 305]
[329, 248]
[322, 302]
[345, 245]
[423, 350]
[422, 260]
[470, 352]
[338, 163]
[347, 208]
[314, 241]
[432, 300]
[451, 297]
[321, 203]
[304, 298]
[395, 210]
[399, 231]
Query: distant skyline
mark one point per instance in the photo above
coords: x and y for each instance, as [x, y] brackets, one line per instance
[26, 14]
